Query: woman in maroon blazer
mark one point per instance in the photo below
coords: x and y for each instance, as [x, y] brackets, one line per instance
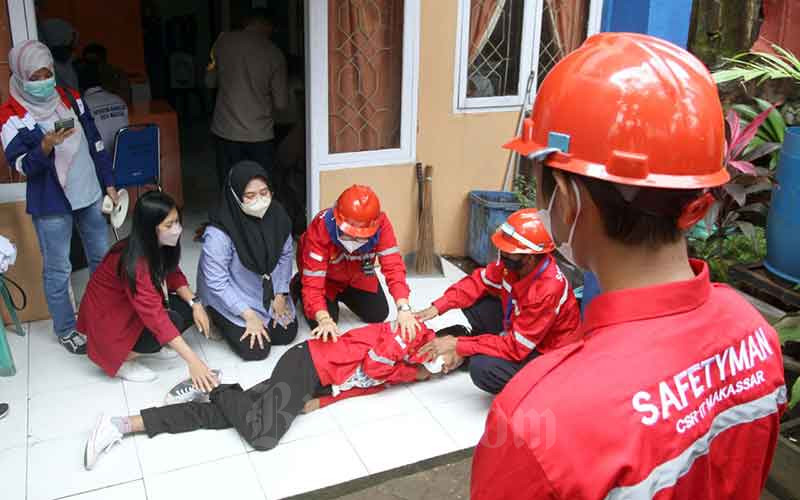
[138, 300]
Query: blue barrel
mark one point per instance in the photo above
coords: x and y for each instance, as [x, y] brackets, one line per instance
[783, 221]
[487, 210]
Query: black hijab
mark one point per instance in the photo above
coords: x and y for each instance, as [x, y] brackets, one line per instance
[259, 242]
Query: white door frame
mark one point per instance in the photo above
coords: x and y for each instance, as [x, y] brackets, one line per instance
[318, 159]
[22, 20]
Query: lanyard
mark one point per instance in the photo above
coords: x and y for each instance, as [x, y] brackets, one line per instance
[509, 305]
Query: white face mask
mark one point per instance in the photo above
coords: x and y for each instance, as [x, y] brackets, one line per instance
[352, 245]
[545, 216]
[257, 207]
[170, 237]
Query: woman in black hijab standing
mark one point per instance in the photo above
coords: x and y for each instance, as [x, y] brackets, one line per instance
[246, 263]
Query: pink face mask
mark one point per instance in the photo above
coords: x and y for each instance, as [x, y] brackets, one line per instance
[170, 237]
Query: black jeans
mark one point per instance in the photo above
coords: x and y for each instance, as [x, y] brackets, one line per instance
[230, 153]
[232, 332]
[261, 414]
[489, 373]
[180, 313]
[369, 307]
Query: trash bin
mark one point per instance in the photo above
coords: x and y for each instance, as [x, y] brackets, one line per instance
[487, 210]
[783, 226]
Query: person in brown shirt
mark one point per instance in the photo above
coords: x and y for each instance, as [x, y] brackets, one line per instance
[249, 72]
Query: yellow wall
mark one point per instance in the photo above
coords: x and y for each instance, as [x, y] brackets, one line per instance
[465, 149]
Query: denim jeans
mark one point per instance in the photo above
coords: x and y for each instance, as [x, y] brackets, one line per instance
[55, 233]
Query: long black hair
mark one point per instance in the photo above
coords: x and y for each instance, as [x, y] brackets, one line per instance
[150, 211]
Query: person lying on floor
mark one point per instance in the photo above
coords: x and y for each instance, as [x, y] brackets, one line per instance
[138, 301]
[518, 307]
[310, 375]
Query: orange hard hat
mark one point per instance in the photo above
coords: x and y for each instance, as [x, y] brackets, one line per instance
[523, 232]
[630, 109]
[357, 211]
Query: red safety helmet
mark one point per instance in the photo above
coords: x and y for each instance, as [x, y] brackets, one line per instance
[523, 233]
[357, 211]
[630, 109]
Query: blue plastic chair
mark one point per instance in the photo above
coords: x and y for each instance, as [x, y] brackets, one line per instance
[137, 157]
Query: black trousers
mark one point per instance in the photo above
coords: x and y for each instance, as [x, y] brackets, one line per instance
[489, 373]
[232, 332]
[369, 307]
[231, 152]
[180, 313]
[261, 414]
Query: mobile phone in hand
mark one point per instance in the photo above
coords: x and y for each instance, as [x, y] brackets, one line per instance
[65, 124]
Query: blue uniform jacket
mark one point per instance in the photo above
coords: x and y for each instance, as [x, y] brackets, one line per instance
[22, 141]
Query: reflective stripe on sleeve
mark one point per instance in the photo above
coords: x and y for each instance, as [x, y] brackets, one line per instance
[315, 256]
[315, 274]
[667, 474]
[563, 298]
[380, 359]
[400, 341]
[489, 282]
[524, 341]
[389, 251]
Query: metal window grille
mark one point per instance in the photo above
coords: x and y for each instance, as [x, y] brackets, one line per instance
[495, 69]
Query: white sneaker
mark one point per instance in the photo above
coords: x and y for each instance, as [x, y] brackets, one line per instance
[135, 372]
[163, 354]
[104, 435]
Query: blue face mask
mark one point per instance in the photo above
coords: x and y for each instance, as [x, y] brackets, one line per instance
[40, 90]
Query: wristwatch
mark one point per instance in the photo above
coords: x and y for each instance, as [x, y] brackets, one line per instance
[404, 308]
[194, 300]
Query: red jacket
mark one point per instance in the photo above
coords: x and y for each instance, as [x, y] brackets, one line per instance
[676, 392]
[540, 310]
[327, 269]
[113, 318]
[377, 349]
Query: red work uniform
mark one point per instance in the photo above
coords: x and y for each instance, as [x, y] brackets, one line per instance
[113, 318]
[327, 269]
[365, 359]
[540, 310]
[676, 392]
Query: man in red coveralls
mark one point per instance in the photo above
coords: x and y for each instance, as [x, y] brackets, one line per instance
[677, 389]
[518, 307]
[336, 263]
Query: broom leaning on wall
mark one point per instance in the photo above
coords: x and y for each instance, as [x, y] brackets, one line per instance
[424, 262]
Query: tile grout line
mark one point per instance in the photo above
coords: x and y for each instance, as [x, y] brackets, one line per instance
[96, 489]
[258, 478]
[352, 446]
[28, 407]
[133, 437]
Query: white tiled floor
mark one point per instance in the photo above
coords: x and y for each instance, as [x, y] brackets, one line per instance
[55, 398]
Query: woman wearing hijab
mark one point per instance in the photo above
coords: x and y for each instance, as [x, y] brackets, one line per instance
[246, 263]
[67, 170]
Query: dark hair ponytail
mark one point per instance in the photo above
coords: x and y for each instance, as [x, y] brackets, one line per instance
[150, 211]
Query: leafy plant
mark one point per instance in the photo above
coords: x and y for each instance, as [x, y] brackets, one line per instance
[725, 236]
[788, 328]
[524, 189]
[760, 66]
[771, 131]
[721, 252]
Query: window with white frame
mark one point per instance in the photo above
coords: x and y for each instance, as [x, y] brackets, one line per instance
[363, 61]
[505, 46]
